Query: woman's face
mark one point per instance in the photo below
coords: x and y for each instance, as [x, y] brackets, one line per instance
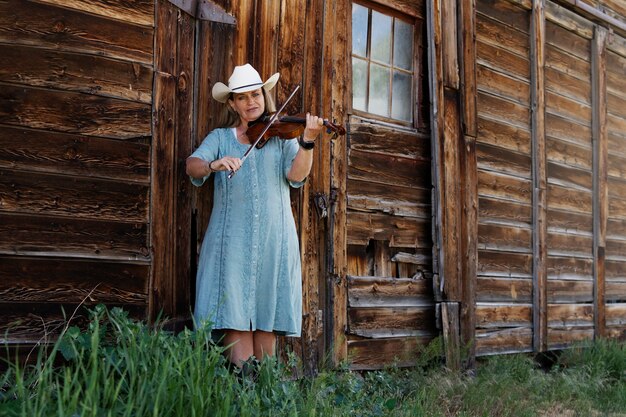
[249, 105]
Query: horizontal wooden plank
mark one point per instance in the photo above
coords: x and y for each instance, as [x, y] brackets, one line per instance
[398, 200]
[616, 105]
[570, 291]
[43, 322]
[560, 338]
[507, 340]
[616, 85]
[568, 64]
[617, 190]
[616, 314]
[33, 235]
[72, 197]
[502, 85]
[366, 354]
[492, 31]
[493, 132]
[30, 23]
[569, 315]
[616, 229]
[504, 238]
[386, 140]
[615, 248]
[74, 112]
[389, 292]
[75, 72]
[617, 207]
[505, 12]
[570, 177]
[562, 198]
[571, 110]
[569, 268]
[388, 169]
[491, 210]
[616, 124]
[140, 12]
[568, 86]
[615, 268]
[62, 153]
[569, 19]
[503, 315]
[567, 153]
[49, 280]
[617, 143]
[504, 264]
[560, 128]
[504, 187]
[494, 158]
[496, 107]
[569, 222]
[503, 290]
[403, 232]
[615, 291]
[501, 60]
[567, 41]
[391, 321]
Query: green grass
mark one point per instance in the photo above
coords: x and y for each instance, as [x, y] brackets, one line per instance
[120, 367]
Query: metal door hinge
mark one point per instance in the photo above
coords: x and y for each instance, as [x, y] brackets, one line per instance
[205, 10]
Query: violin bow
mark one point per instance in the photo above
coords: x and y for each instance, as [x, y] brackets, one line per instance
[269, 123]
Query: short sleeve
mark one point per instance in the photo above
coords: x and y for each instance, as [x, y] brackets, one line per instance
[207, 151]
[290, 149]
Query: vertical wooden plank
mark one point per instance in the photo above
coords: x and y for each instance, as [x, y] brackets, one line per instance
[467, 17]
[183, 148]
[450, 43]
[163, 152]
[537, 59]
[450, 325]
[266, 37]
[335, 87]
[600, 172]
[243, 41]
[311, 225]
[469, 259]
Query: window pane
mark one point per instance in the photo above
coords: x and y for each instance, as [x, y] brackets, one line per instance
[381, 37]
[403, 45]
[402, 104]
[379, 90]
[359, 83]
[359, 30]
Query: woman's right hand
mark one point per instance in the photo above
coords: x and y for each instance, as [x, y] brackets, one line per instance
[227, 163]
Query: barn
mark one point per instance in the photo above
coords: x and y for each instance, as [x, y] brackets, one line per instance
[479, 193]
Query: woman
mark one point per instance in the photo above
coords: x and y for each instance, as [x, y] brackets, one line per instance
[249, 275]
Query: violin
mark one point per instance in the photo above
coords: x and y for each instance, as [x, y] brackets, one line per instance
[285, 127]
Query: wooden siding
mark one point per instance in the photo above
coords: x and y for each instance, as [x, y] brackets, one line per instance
[75, 110]
[504, 163]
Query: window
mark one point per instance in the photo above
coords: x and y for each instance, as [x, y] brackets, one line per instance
[382, 64]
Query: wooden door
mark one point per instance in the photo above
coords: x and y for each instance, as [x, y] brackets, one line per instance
[390, 304]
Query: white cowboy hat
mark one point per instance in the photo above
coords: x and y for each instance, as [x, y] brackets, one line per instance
[244, 78]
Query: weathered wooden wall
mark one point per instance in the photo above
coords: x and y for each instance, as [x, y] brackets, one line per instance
[75, 160]
[550, 269]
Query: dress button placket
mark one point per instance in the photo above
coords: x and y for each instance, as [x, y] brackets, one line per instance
[255, 236]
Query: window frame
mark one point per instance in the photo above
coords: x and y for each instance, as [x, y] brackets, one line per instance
[416, 94]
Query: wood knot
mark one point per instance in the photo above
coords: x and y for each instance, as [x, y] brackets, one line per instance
[58, 27]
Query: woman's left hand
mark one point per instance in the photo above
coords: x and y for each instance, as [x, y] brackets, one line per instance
[314, 126]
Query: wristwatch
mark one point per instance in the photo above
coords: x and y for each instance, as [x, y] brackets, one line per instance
[305, 145]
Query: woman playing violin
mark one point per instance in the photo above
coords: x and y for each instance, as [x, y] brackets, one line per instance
[249, 274]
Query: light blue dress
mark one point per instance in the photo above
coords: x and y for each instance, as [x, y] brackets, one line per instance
[249, 273]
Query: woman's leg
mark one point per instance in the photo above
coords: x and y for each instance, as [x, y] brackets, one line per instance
[264, 344]
[241, 346]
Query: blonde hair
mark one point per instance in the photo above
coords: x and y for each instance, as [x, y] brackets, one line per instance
[229, 117]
